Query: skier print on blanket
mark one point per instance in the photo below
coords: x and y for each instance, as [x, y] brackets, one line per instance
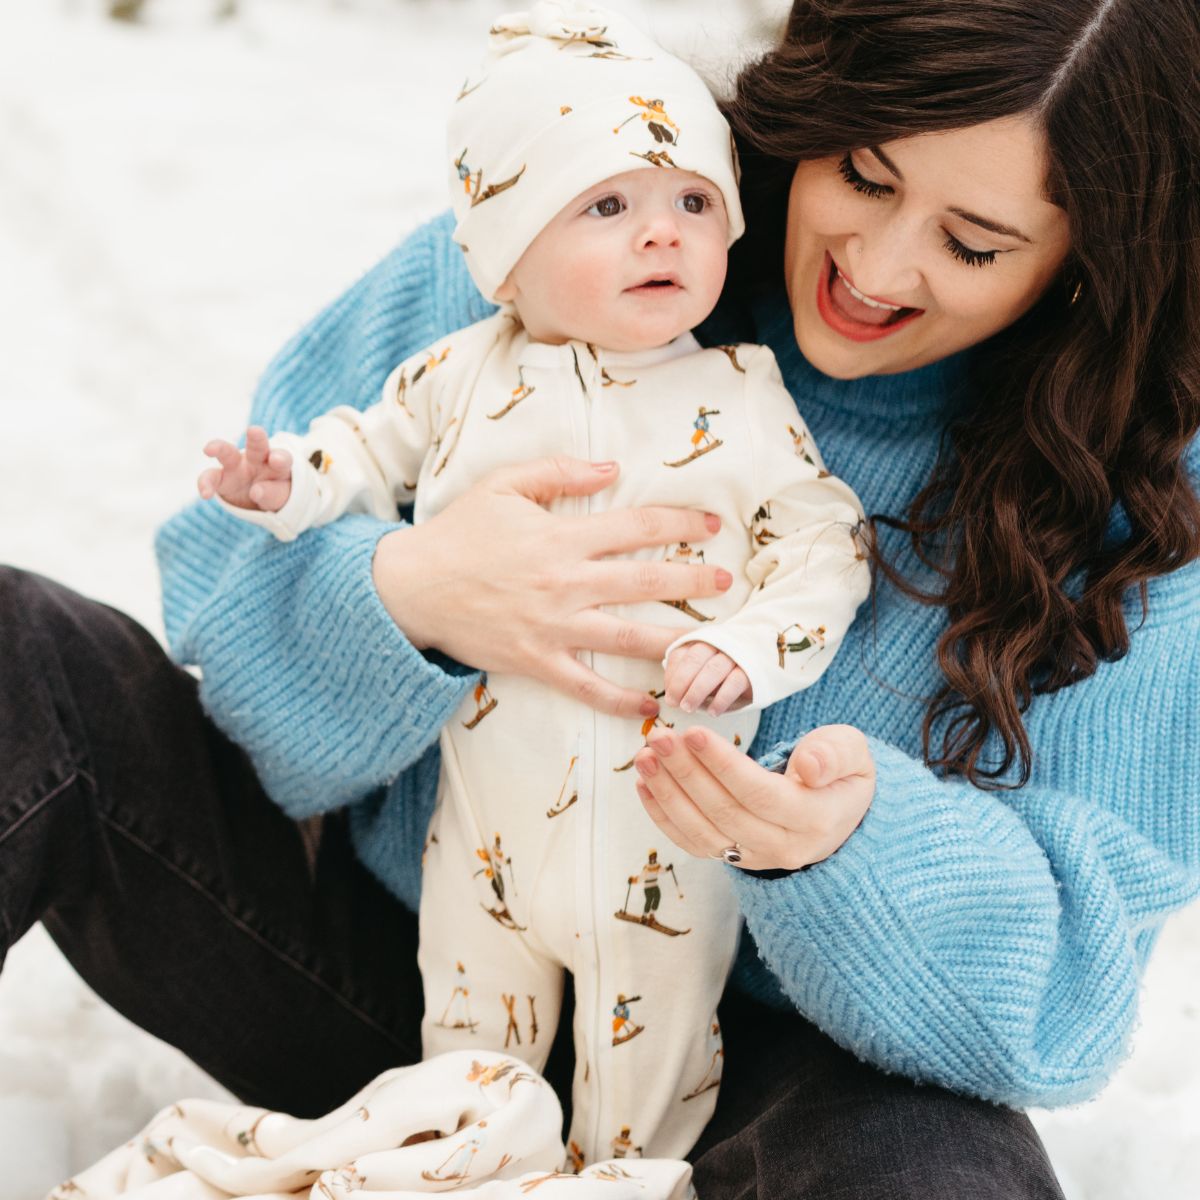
[595, 187]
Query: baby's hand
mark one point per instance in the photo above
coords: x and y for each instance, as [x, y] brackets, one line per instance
[696, 672]
[258, 478]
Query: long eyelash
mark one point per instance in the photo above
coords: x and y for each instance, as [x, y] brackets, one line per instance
[974, 258]
[858, 182]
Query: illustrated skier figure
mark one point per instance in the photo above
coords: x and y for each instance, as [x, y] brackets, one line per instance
[623, 1027]
[459, 1003]
[484, 702]
[810, 639]
[652, 892]
[623, 1147]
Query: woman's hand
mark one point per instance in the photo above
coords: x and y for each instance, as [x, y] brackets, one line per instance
[705, 795]
[499, 583]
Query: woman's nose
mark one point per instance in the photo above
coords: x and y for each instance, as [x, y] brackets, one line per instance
[882, 266]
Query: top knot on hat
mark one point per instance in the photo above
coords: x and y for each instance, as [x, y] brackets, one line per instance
[568, 95]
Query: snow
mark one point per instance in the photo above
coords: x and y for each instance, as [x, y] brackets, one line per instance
[176, 199]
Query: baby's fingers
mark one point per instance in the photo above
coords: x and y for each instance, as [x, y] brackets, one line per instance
[258, 446]
[226, 453]
[279, 463]
[736, 687]
[682, 668]
[270, 495]
[209, 482]
[708, 679]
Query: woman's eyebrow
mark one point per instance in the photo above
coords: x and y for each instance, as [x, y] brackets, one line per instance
[982, 222]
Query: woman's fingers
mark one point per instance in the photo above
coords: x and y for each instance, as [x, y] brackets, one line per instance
[623, 530]
[569, 675]
[689, 828]
[657, 814]
[545, 479]
[831, 752]
[629, 581]
[700, 806]
[606, 633]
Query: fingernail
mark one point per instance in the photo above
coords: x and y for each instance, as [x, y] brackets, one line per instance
[661, 746]
[694, 738]
[724, 579]
[687, 706]
[604, 467]
[646, 766]
[713, 522]
[649, 708]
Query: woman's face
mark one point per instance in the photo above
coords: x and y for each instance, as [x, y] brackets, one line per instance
[900, 254]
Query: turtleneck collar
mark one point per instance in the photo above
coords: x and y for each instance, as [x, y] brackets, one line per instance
[924, 394]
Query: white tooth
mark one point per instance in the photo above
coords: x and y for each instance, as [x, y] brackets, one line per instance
[865, 299]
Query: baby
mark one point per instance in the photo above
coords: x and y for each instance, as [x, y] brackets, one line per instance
[595, 186]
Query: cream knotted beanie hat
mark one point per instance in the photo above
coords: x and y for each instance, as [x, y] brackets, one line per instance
[568, 96]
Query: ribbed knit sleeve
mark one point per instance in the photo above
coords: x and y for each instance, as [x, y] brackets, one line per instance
[993, 942]
[301, 663]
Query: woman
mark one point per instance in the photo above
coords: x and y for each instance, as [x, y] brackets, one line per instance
[1015, 191]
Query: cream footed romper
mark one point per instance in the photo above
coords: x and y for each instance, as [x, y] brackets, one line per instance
[540, 856]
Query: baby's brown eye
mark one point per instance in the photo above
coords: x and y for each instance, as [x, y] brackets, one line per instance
[607, 206]
[693, 202]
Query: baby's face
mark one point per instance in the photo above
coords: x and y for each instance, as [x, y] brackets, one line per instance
[629, 264]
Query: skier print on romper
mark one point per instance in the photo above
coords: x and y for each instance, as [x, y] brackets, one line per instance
[810, 639]
[457, 1013]
[702, 440]
[486, 1076]
[559, 806]
[473, 179]
[321, 461]
[648, 725]
[606, 379]
[683, 553]
[649, 877]
[494, 862]
[484, 702]
[457, 1165]
[347, 1179]
[625, 1029]
[760, 532]
[730, 353]
[654, 114]
[519, 393]
[512, 1029]
[800, 441]
[623, 1147]
[712, 1077]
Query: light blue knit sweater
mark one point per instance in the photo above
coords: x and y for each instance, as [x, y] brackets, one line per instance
[988, 942]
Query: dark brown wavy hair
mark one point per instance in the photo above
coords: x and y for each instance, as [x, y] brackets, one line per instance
[1090, 399]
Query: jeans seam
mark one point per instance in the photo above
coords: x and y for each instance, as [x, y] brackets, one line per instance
[253, 933]
[38, 805]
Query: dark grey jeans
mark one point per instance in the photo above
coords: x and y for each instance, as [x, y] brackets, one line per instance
[141, 838]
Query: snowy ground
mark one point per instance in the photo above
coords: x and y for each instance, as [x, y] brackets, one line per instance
[174, 201]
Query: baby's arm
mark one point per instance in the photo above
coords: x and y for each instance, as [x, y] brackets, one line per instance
[258, 477]
[348, 461]
[810, 571]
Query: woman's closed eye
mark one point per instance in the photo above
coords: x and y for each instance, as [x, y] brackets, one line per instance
[868, 187]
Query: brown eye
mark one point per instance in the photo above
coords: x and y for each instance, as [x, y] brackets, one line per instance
[607, 206]
[694, 202]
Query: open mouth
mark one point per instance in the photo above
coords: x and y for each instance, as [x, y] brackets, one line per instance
[853, 314]
[657, 283]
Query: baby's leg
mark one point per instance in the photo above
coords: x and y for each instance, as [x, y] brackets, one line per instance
[485, 986]
[649, 1055]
